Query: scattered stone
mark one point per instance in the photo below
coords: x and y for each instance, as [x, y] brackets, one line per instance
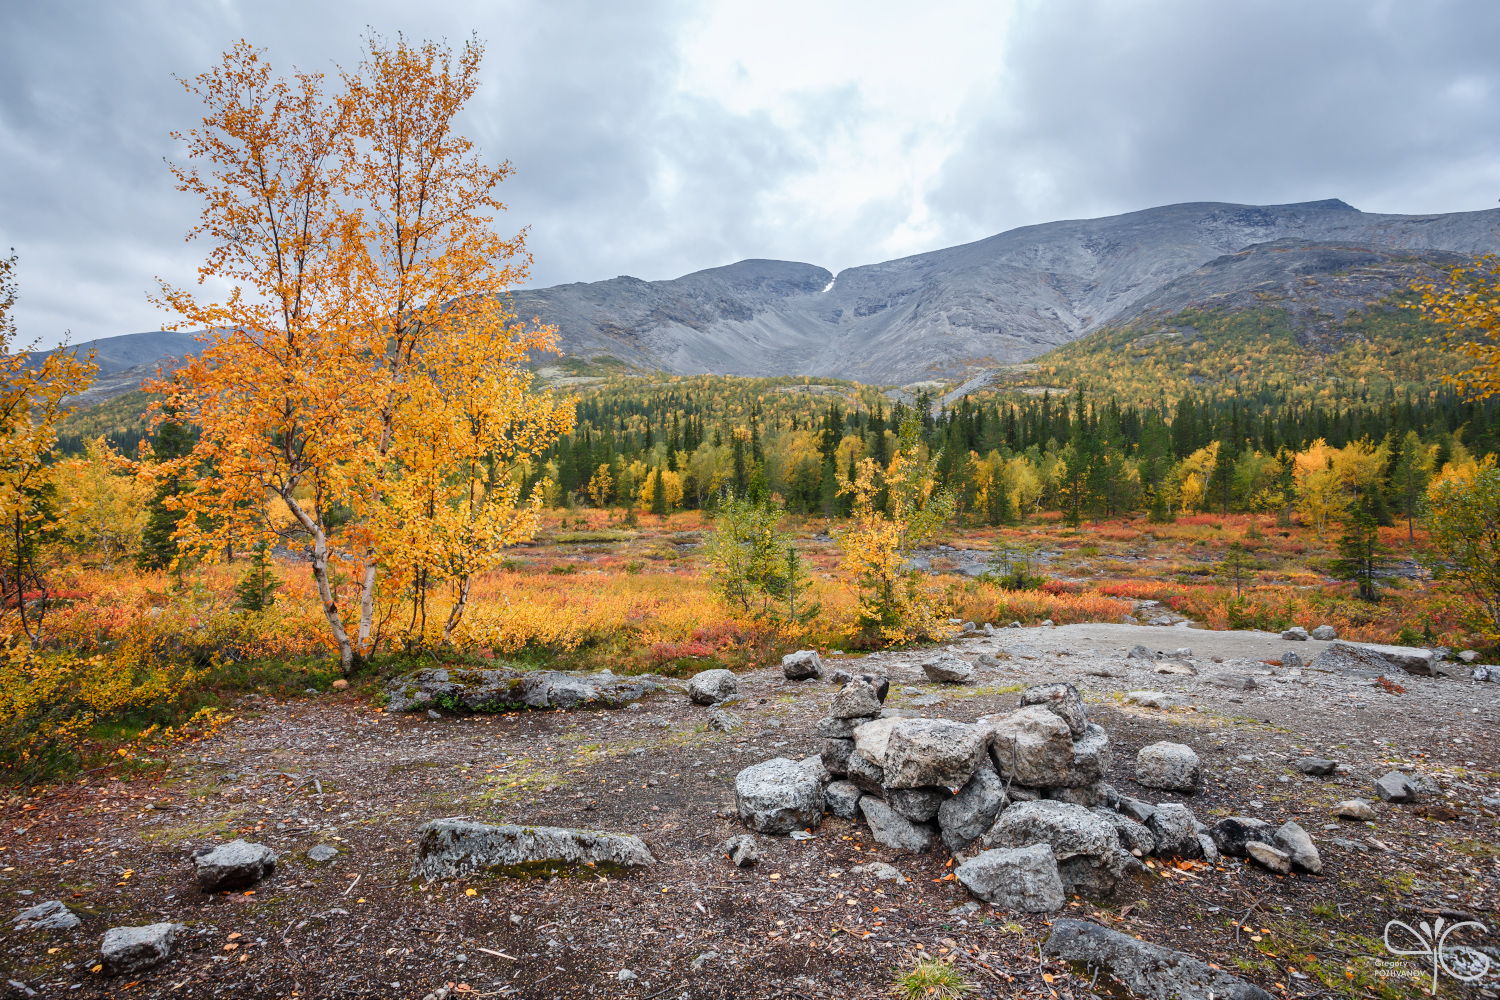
[929, 752]
[322, 852]
[456, 847]
[1176, 834]
[1105, 668]
[52, 915]
[1264, 854]
[948, 669]
[1177, 667]
[132, 949]
[802, 665]
[1483, 673]
[1357, 809]
[741, 850]
[1291, 661]
[1234, 681]
[836, 756]
[1014, 625]
[860, 697]
[625, 976]
[890, 829]
[1153, 699]
[507, 690]
[1062, 700]
[842, 799]
[1468, 655]
[778, 796]
[1089, 857]
[433, 713]
[1368, 660]
[707, 956]
[1139, 652]
[966, 816]
[1296, 633]
[1171, 766]
[1295, 841]
[723, 722]
[927, 701]
[917, 804]
[234, 865]
[1046, 623]
[1018, 878]
[709, 687]
[1396, 787]
[1325, 633]
[1231, 834]
[1134, 837]
[1146, 969]
[1318, 767]
[1209, 848]
[840, 676]
[880, 871]
[1033, 746]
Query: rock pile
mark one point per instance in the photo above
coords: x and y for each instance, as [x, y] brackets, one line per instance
[505, 690]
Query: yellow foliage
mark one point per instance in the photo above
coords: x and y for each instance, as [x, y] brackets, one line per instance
[103, 507]
[1470, 308]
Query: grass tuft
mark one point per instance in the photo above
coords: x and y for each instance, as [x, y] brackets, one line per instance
[932, 980]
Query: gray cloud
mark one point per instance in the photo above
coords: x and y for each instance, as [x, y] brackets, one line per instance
[1097, 108]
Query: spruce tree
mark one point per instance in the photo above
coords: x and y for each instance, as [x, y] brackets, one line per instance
[158, 547]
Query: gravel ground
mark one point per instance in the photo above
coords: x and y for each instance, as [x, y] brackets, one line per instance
[803, 923]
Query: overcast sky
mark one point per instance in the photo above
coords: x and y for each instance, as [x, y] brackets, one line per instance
[654, 139]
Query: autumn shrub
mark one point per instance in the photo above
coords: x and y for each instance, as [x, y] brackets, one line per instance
[982, 602]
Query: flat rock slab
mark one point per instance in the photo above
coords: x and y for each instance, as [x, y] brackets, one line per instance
[510, 690]
[1021, 878]
[233, 865]
[131, 949]
[52, 915]
[1370, 660]
[455, 847]
[1144, 968]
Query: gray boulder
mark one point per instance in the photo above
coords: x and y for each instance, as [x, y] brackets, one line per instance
[891, 829]
[723, 722]
[1294, 840]
[741, 851]
[1290, 661]
[1091, 756]
[1063, 700]
[1270, 857]
[964, 817]
[1171, 766]
[1325, 633]
[1096, 794]
[133, 949]
[321, 853]
[837, 729]
[802, 665]
[451, 848]
[842, 799]
[1231, 834]
[917, 804]
[1356, 809]
[1209, 848]
[813, 765]
[1175, 832]
[1139, 652]
[709, 687]
[1134, 837]
[872, 740]
[1296, 633]
[778, 796]
[1018, 878]
[1089, 857]
[836, 756]
[52, 915]
[1033, 746]
[868, 778]
[1145, 969]
[1137, 809]
[932, 752]
[234, 865]
[948, 669]
[506, 690]
[1371, 660]
[860, 697]
[1316, 766]
[1396, 787]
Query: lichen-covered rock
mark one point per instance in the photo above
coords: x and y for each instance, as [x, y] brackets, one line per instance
[1091, 756]
[948, 669]
[917, 804]
[966, 816]
[872, 739]
[709, 687]
[52, 915]
[1034, 747]
[802, 665]
[1147, 970]
[455, 847]
[1096, 794]
[234, 865]
[1171, 766]
[813, 765]
[891, 829]
[1089, 857]
[1175, 832]
[933, 752]
[778, 796]
[842, 799]
[1063, 700]
[132, 949]
[860, 697]
[507, 690]
[1018, 878]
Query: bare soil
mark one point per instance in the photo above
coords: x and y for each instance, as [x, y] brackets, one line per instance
[334, 770]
